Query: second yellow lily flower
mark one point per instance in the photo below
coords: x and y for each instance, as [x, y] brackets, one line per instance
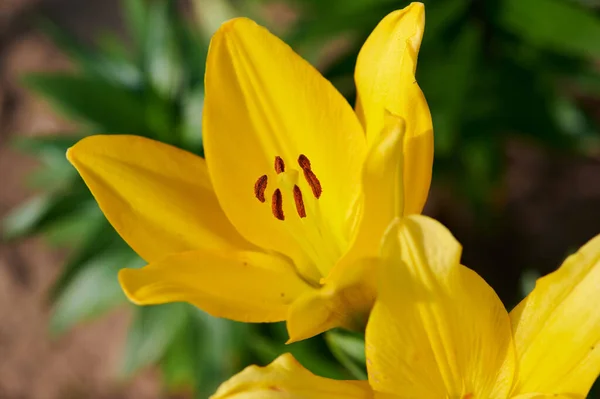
[283, 218]
[439, 331]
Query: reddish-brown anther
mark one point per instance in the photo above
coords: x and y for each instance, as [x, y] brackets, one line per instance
[313, 182]
[279, 165]
[304, 162]
[310, 176]
[277, 205]
[260, 187]
[299, 202]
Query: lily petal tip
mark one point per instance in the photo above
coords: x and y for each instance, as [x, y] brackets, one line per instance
[128, 285]
[72, 151]
[69, 154]
[235, 24]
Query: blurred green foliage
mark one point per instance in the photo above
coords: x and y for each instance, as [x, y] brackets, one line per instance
[491, 70]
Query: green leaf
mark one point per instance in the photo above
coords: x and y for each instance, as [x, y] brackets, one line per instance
[311, 353]
[112, 46]
[587, 82]
[93, 291]
[52, 177]
[206, 352]
[222, 345]
[104, 106]
[71, 228]
[527, 282]
[23, 220]
[179, 364]
[153, 330]
[349, 349]
[56, 172]
[191, 134]
[161, 118]
[440, 15]
[523, 101]
[481, 159]
[446, 76]
[135, 15]
[46, 146]
[557, 25]
[163, 58]
[194, 48]
[100, 237]
[117, 70]
[41, 211]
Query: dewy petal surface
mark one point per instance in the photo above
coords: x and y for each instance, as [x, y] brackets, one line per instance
[437, 330]
[385, 81]
[264, 101]
[242, 286]
[285, 378]
[159, 198]
[557, 328]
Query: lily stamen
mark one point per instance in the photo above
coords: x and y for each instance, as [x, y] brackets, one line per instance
[259, 188]
[304, 162]
[277, 205]
[279, 165]
[299, 202]
[310, 176]
[313, 182]
[277, 199]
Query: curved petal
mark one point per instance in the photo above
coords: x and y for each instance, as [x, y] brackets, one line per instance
[263, 101]
[557, 327]
[385, 81]
[383, 191]
[159, 198]
[350, 288]
[285, 378]
[437, 329]
[344, 300]
[242, 286]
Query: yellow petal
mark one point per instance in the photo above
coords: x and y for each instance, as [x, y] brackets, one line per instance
[350, 287]
[385, 80]
[557, 327]
[437, 330]
[285, 378]
[263, 101]
[383, 190]
[344, 300]
[242, 286]
[159, 198]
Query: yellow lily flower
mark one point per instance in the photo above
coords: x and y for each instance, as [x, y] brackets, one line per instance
[280, 221]
[438, 331]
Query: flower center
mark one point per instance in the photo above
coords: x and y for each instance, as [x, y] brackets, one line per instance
[289, 182]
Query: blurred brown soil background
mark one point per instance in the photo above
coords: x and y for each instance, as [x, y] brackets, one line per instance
[550, 206]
